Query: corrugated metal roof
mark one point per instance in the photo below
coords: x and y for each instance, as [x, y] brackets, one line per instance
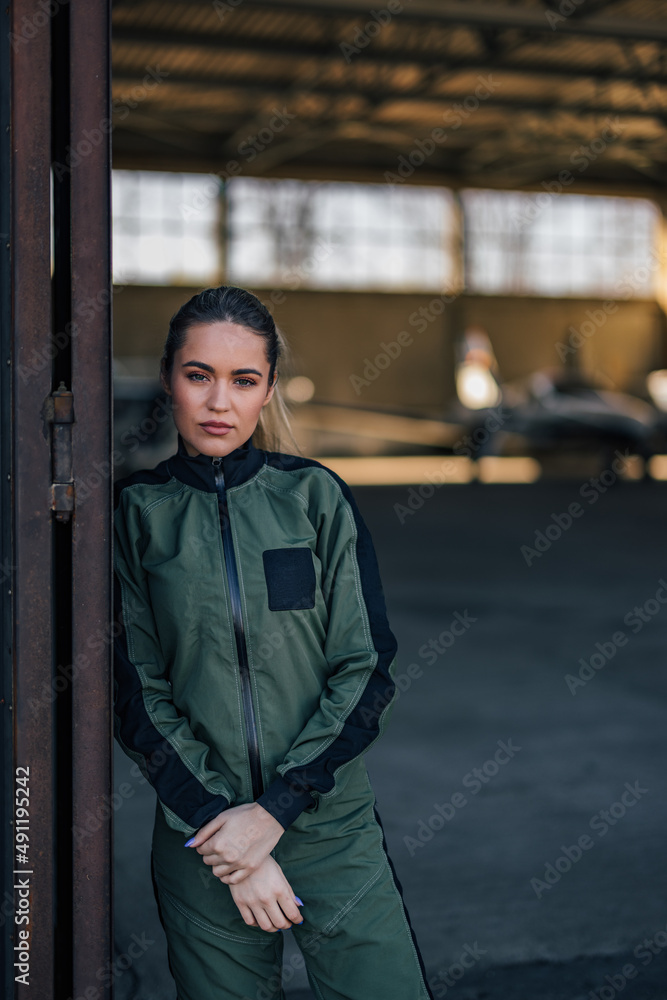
[515, 87]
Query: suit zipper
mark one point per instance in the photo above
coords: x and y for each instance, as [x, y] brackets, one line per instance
[239, 632]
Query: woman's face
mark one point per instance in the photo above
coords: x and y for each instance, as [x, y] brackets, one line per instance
[220, 376]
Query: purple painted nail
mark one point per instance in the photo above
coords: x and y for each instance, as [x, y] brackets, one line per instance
[298, 901]
[189, 843]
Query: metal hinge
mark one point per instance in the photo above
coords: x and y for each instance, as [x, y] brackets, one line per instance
[59, 412]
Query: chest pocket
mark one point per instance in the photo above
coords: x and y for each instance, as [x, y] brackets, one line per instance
[290, 578]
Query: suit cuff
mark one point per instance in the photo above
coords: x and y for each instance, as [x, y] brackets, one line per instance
[206, 813]
[285, 800]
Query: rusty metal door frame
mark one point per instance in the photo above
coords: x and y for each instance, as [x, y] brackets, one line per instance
[6, 741]
[92, 578]
[56, 492]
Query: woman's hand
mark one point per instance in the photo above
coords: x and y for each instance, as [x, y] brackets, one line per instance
[237, 841]
[265, 898]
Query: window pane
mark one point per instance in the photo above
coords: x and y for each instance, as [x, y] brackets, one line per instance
[165, 227]
[289, 233]
[547, 244]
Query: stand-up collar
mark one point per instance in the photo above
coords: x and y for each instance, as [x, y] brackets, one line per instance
[199, 471]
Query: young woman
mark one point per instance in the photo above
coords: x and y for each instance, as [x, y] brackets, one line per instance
[253, 668]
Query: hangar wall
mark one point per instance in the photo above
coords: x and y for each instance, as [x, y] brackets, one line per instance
[620, 341]
[333, 334]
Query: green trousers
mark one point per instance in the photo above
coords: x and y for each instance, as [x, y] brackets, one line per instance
[356, 941]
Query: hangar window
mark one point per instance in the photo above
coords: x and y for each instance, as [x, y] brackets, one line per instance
[165, 227]
[308, 234]
[559, 244]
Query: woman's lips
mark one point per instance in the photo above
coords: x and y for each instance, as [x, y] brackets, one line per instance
[213, 429]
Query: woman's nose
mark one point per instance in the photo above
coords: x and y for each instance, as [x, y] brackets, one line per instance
[218, 398]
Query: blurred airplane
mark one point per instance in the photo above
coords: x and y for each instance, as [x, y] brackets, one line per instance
[552, 409]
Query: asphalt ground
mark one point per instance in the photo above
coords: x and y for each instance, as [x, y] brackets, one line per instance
[521, 788]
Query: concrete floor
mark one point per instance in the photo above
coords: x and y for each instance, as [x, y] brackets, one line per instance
[467, 881]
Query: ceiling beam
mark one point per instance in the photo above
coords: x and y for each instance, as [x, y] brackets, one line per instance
[587, 8]
[291, 51]
[625, 185]
[382, 95]
[498, 15]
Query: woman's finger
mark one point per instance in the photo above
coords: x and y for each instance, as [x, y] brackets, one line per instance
[248, 915]
[219, 867]
[263, 919]
[207, 831]
[221, 871]
[218, 859]
[226, 879]
[277, 917]
[289, 908]
[236, 876]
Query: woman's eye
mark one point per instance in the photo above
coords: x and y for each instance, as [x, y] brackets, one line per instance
[199, 377]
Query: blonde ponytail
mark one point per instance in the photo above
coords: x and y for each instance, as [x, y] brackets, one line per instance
[274, 430]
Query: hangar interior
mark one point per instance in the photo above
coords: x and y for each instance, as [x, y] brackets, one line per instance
[480, 184]
[424, 170]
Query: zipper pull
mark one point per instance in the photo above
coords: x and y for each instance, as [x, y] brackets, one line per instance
[218, 472]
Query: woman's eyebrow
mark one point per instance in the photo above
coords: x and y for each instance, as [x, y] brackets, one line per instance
[198, 364]
[209, 368]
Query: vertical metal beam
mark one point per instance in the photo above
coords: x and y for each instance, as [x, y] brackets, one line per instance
[61, 607]
[6, 570]
[223, 232]
[31, 466]
[56, 579]
[90, 180]
[455, 313]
